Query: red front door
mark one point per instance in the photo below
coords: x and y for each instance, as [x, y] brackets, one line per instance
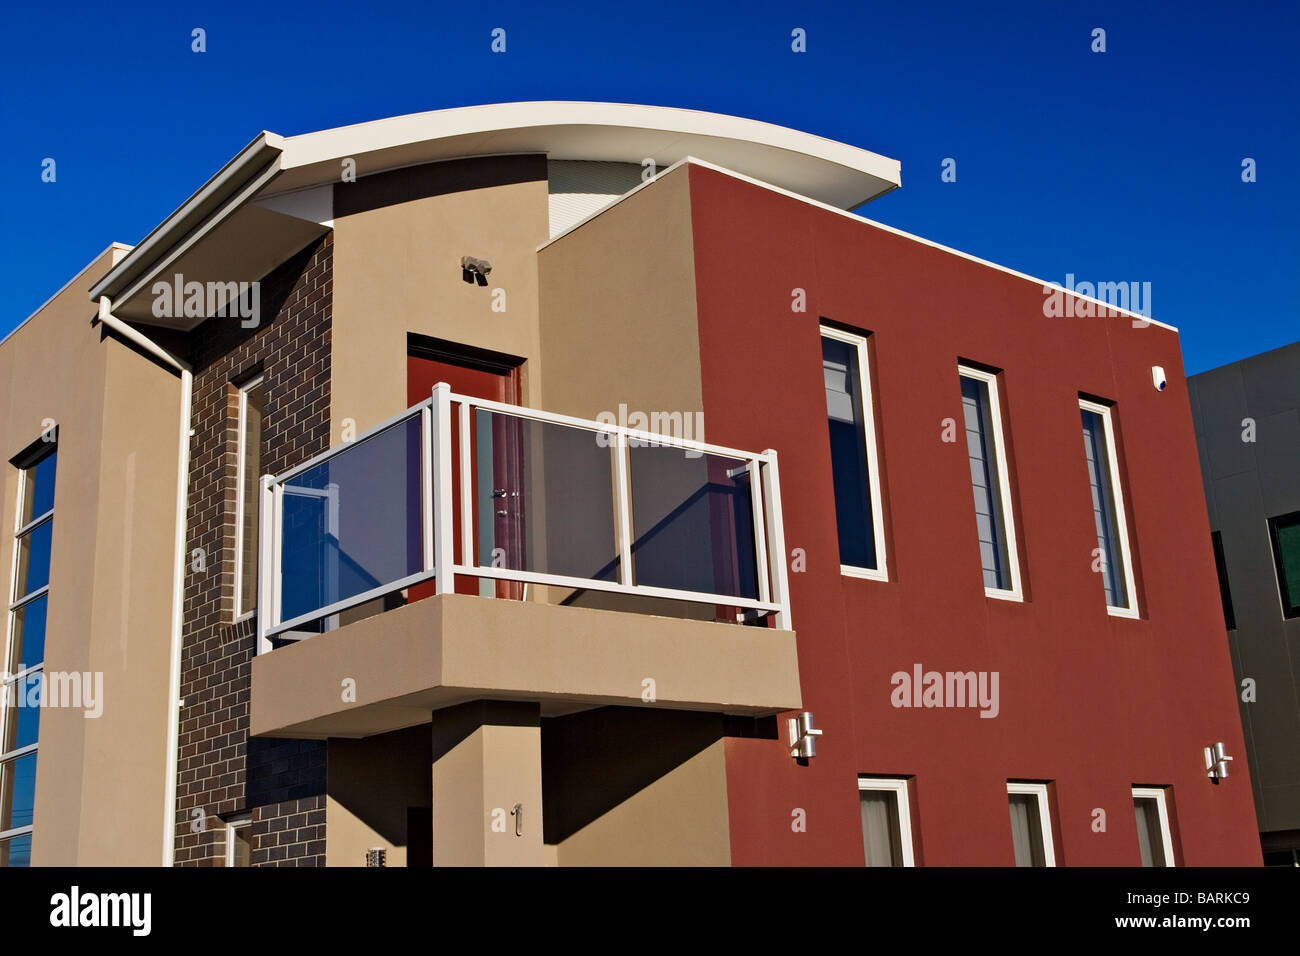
[479, 380]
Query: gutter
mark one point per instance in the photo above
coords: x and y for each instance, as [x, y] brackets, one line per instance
[178, 580]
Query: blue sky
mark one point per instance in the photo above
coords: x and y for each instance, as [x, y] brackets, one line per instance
[1115, 166]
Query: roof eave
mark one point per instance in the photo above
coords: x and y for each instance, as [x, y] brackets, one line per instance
[246, 165]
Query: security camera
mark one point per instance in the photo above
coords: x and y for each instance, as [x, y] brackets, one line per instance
[475, 266]
[1158, 378]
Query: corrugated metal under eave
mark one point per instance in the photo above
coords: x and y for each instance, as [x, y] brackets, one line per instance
[579, 188]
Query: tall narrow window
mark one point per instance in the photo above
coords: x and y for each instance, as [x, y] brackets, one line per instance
[1111, 557]
[1225, 592]
[24, 660]
[854, 463]
[1284, 533]
[1031, 824]
[251, 394]
[1155, 842]
[990, 482]
[886, 821]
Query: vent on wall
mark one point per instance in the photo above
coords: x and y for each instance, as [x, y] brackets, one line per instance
[578, 188]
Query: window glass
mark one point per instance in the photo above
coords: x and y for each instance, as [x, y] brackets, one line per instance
[983, 453]
[17, 792]
[881, 838]
[849, 463]
[1285, 532]
[33, 570]
[1105, 518]
[1027, 830]
[38, 491]
[1150, 838]
[28, 635]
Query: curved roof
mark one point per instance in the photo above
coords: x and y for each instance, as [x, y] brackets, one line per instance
[822, 169]
[234, 201]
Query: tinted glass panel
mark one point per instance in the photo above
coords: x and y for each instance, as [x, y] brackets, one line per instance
[1027, 830]
[881, 836]
[1285, 532]
[983, 453]
[38, 488]
[692, 522]
[34, 559]
[1103, 508]
[545, 497]
[17, 851]
[852, 481]
[17, 792]
[29, 634]
[23, 698]
[353, 523]
[1150, 841]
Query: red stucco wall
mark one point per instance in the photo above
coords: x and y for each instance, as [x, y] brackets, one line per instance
[1096, 704]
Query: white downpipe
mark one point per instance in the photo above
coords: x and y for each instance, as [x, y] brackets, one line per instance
[178, 580]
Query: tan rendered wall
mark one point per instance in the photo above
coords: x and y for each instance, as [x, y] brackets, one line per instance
[371, 784]
[397, 270]
[602, 345]
[630, 787]
[99, 782]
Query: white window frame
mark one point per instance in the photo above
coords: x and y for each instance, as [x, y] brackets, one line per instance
[243, 387]
[11, 683]
[898, 787]
[1039, 790]
[231, 826]
[1166, 835]
[1121, 513]
[860, 345]
[1016, 591]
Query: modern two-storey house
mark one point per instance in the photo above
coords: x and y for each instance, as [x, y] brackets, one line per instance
[584, 484]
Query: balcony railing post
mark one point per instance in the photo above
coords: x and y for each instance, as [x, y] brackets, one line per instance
[268, 545]
[623, 497]
[467, 556]
[443, 560]
[426, 486]
[757, 495]
[776, 539]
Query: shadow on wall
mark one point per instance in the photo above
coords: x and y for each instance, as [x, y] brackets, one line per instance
[384, 782]
[595, 760]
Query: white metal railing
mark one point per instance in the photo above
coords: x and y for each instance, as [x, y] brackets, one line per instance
[312, 490]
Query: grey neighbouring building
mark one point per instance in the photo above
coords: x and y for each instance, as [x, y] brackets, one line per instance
[1247, 417]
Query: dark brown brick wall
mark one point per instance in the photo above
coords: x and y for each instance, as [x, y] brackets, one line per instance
[224, 773]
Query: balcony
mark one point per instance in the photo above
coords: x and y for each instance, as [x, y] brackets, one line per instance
[467, 548]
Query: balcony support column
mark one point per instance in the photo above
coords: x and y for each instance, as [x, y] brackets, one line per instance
[487, 785]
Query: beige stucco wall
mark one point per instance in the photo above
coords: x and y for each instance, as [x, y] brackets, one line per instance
[626, 787]
[397, 270]
[678, 820]
[99, 782]
[372, 783]
[602, 346]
